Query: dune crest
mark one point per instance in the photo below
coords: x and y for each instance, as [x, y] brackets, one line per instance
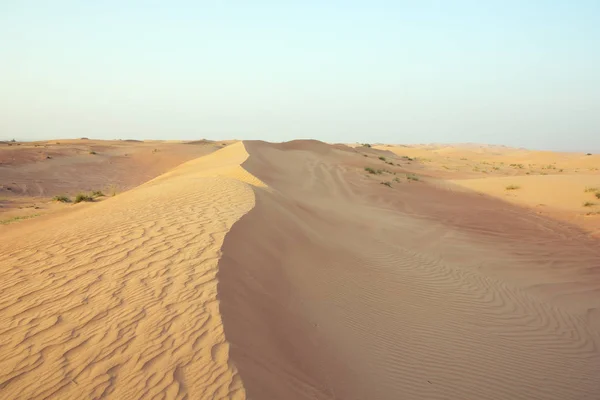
[119, 299]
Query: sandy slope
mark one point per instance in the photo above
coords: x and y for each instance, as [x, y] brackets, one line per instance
[329, 286]
[119, 299]
[336, 287]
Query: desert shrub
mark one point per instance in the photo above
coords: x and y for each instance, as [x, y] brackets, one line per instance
[396, 179]
[513, 187]
[598, 195]
[588, 154]
[366, 145]
[388, 184]
[93, 153]
[591, 189]
[83, 197]
[589, 204]
[382, 158]
[412, 177]
[97, 193]
[62, 199]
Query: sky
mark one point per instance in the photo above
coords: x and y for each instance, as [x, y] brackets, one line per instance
[519, 73]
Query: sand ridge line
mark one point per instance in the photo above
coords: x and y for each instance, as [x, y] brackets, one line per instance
[119, 299]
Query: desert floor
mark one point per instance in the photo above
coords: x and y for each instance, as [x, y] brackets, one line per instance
[298, 270]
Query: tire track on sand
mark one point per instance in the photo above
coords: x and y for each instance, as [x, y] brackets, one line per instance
[119, 299]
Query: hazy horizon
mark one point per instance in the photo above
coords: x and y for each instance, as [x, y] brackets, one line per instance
[505, 73]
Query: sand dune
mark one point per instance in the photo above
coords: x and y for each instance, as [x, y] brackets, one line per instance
[286, 271]
[336, 287]
[118, 299]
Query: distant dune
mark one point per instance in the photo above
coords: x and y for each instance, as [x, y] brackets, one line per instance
[303, 270]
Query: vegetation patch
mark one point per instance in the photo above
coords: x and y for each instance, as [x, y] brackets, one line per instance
[589, 204]
[513, 187]
[93, 153]
[388, 184]
[83, 197]
[16, 219]
[97, 193]
[413, 177]
[62, 199]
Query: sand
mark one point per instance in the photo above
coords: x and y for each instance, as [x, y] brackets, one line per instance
[119, 299]
[32, 173]
[286, 271]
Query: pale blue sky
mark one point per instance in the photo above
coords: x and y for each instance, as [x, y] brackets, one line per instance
[521, 73]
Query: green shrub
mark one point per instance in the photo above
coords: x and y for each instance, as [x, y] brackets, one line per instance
[382, 158]
[97, 193]
[62, 199]
[83, 197]
[366, 145]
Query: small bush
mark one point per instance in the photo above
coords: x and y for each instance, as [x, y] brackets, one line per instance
[513, 187]
[413, 177]
[366, 145]
[388, 184]
[591, 189]
[62, 199]
[598, 195]
[93, 153]
[589, 204]
[370, 170]
[97, 193]
[396, 179]
[382, 158]
[83, 197]
[588, 154]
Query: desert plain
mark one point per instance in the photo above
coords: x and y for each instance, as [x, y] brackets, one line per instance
[298, 270]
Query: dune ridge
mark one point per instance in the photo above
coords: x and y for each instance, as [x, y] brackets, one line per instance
[119, 299]
[336, 287]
